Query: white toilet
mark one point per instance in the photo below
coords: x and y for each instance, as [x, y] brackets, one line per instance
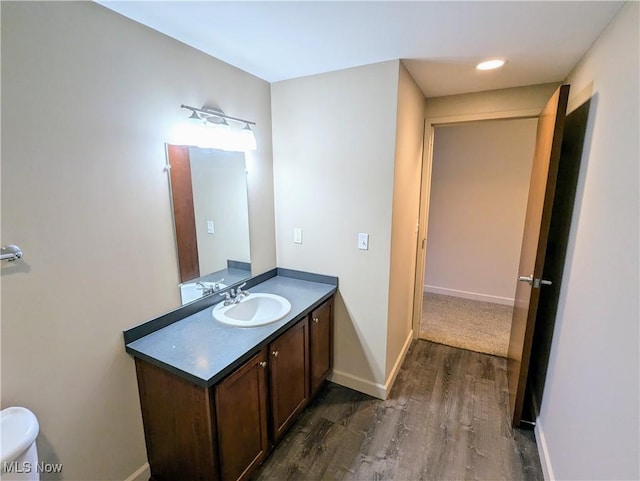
[19, 457]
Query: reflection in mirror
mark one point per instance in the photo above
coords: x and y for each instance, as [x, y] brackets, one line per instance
[211, 219]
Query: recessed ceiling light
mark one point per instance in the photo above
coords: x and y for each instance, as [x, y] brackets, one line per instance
[490, 64]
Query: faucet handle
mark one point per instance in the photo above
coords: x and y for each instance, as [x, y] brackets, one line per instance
[227, 298]
[242, 291]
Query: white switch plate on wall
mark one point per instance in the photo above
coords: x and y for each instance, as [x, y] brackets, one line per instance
[363, 241]
[297, 235]
[210, 229]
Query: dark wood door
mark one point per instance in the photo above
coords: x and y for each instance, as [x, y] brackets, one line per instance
[320, 345]
[542, 188]
[289, 368]
[568, 174]
[241, 413]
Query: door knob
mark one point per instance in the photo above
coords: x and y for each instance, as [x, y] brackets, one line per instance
[275, 353]
[536, 283]
[316, 320]
[263, 363]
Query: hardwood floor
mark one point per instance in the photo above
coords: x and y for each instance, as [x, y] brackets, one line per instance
[446, 419]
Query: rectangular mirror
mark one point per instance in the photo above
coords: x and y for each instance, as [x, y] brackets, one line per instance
[211, 218]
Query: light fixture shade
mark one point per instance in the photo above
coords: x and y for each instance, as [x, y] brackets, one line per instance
[248, 139]
[194, 118]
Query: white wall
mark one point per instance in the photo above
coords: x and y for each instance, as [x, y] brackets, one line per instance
[334, 150]
[404, 228]
[88, 100]
[589, 421]
[479, 190]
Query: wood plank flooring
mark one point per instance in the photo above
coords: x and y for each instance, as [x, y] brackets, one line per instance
[446, 419]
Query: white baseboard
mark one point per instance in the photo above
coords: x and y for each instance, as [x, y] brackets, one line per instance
[142, 473]
[375, 389]
[543, 452]
[396, 366]
[357, 383]
[476, 296]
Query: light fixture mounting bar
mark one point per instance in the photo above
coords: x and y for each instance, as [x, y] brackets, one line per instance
[216, 113]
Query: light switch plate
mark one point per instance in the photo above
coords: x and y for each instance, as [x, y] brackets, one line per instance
[297, 235]
[363, 241]
[210, 229]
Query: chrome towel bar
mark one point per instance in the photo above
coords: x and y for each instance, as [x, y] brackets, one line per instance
[10, 253]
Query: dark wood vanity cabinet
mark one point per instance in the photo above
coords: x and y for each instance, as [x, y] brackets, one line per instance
[224, 432]
[321, 344]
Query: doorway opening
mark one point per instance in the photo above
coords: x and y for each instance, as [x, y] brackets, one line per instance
[478, 188]
[549, 175]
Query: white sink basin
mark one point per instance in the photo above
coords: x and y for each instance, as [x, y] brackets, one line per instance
[190, 291]
[257, 309]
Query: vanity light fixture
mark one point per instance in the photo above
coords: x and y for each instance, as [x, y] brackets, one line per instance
[222, 136]
[490, 64]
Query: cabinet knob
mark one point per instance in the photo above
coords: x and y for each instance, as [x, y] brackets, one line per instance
[275, 353]
[316, 320]
[263, 363]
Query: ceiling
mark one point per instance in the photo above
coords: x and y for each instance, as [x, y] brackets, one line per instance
[440, 42]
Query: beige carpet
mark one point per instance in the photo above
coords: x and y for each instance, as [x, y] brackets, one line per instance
[473, 325]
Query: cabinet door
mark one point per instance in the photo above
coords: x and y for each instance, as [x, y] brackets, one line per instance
[289, 367]
[241, 411]
[320, 341]
[179, 426]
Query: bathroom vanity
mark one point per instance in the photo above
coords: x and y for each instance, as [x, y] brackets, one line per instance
[215, 398]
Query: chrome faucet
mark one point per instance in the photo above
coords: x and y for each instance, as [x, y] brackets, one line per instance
[208, 288]
[235, 296]
[227, 299]
[239, 293]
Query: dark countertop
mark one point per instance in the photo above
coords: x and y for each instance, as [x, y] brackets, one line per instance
[203, 350]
